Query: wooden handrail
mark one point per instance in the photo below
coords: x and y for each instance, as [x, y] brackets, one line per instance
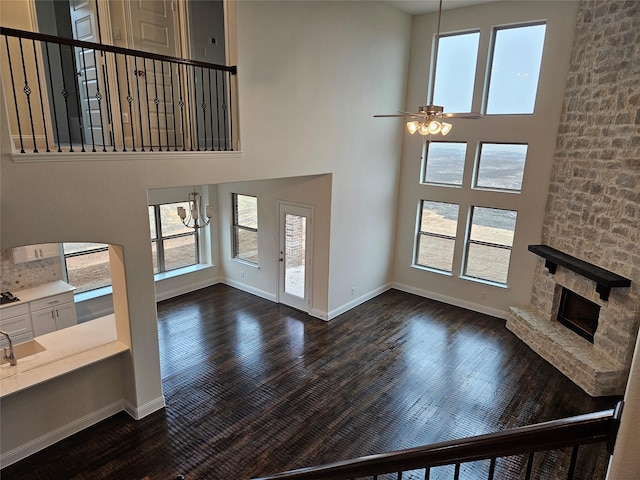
[579, 430]
[12, 32]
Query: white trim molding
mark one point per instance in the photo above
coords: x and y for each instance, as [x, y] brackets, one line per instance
[29, 448]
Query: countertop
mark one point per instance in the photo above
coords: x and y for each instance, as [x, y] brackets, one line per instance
[45, 290]
[66, 350]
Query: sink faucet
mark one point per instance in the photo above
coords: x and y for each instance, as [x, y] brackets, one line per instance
[9, 356]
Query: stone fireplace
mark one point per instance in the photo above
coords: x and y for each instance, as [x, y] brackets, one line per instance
[578, 314]
[587, 338]
[593, 206]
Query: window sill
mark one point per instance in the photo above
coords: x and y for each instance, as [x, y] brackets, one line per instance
[432, 270]
[485, 282]
[104, 291]
[180, 271]
[247, 263]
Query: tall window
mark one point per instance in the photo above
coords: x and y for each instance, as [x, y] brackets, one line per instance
[498, 168]
[515, 69]
[245, 227]
[173, 245]
[489, 244]
[444, 163]
[437, 235]
[87, 265]
[456, 71]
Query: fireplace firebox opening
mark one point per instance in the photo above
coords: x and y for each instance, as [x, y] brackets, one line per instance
[578, 314]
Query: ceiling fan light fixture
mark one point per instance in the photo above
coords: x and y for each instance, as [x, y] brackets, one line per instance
[446, 128]
[434, 127]
[413, 127]
[423, 129]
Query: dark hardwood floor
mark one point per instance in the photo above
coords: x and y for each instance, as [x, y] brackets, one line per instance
[254, 387]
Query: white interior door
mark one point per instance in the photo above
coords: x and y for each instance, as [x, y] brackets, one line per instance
[294, 283]
[154, 24]
[83, 22]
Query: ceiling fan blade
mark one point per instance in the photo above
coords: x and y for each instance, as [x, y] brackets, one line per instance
[412, 115]
[468, 115]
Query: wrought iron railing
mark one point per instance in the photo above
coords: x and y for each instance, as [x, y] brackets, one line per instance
[67, 95]
[569, 432]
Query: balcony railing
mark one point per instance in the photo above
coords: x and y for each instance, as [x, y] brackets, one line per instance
[526, 441]
[67, 95]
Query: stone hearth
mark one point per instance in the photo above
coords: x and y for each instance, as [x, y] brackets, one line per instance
[599, 368]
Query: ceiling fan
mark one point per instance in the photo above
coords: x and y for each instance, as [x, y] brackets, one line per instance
[428, 119]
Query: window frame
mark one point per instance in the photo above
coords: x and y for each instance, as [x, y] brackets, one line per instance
[160, 239]
[236, 226]
[423, 233]
[468, 241]
[80, 254]
[490, 57]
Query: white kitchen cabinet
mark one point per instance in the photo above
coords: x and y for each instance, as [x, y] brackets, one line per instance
[53, 313]
[16, 321]
[30, 253]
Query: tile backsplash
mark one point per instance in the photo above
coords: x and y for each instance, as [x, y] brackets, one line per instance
[16, 276]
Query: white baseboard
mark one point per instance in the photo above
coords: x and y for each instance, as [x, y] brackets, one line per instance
[191, 287]
[319, 314]
[476, 307]
[249, 289]
[29, 448]
[357, 301]
[147, 409]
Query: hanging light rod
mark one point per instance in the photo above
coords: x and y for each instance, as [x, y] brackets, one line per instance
[428, 119]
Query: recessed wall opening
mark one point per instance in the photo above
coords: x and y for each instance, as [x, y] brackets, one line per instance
[578, 314]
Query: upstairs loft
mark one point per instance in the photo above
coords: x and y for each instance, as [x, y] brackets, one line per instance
[72, 96]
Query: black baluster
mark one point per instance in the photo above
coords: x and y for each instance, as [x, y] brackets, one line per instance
[181, 104]
[195, 107]
[492, 469]
[529, 466]
[156, 100]
[65, 95]
[53, 102]
[218, 109]
[44, 122]
[230, 112]
[427, 473]
[400, 475]
[135, 72]
[189, 103]
[456, 472]
[105, 75]
[224, 108]
[124, 143]
[204, 108]
[86, 89]
[75, 69]
[572, 465]
[99, 98]
[146, 91]
[164, 99]
[27, 91]
[211, 107]
[173, 108]
[15, 97]
[129, 100]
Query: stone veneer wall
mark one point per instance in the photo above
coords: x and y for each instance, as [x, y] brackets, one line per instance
[593, 206]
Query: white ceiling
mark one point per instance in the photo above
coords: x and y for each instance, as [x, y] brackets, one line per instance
[417, 7]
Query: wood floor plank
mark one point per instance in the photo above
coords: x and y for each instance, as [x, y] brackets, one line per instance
[253, 387]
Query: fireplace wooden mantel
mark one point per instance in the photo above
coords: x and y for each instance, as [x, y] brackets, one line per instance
[605, 279]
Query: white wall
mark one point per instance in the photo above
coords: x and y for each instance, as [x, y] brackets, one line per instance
[311, 75]
[262, 280]
[538, 130]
